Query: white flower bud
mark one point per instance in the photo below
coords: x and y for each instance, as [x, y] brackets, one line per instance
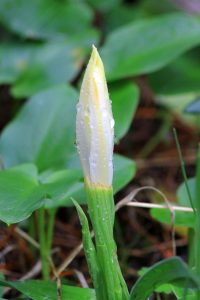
[95, 125]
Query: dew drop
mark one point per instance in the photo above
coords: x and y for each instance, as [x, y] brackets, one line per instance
[112, 123]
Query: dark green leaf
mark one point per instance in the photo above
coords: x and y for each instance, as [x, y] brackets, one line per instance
[150, 44]
[45, 18]
[46, 290]
[43, 131]
[172, 270]
[125, 97]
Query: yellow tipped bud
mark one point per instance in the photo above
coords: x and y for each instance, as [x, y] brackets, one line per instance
[95, 125]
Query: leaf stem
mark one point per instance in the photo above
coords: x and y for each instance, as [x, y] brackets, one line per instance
[43, 243]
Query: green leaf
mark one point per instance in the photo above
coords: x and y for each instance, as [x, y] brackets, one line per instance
[172, 270]
[186, 219]
[46, 290]
[45, 18]
[43, 131]
[180, 77]
[104, 5]
[90, 251]
[33, 67]
[2, 277]
[181, 294]
[61, 185]
[125, 97]
[124, 171]
[182, 194]
[149, 44]
[163, 215]
[19, 195]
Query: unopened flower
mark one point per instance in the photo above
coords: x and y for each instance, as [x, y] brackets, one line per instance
[95, 125]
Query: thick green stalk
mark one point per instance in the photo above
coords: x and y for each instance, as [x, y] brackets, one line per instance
[101, 210]
[51, 220]
[43, 243]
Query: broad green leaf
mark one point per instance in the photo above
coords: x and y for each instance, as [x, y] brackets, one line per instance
[124, 172]
[33, 67]
[149, 44]
[23, 191]
[172, 270]
[180, 77]
[185, 219]
[19, 195]
[45, 18]
[46, 290]
[61, 186]
[43, 131]
[125, 97]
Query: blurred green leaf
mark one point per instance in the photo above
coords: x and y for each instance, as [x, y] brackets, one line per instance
[19, 195]
[46, 290]
[45, 19]
[33, 67]
[23, 191]
[171, 270]
[182, 194]
[104, 5]
[125, 97]
[180, 294]
[124, 171]
[181, 76]
[186, 219]
[128, 13]
[150, 44]
[61, 185]
[43, 131]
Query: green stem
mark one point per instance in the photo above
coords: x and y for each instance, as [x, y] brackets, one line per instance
[51, 220]
[183, 170]
[31, 231]
[43, 243]
[101, 210]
